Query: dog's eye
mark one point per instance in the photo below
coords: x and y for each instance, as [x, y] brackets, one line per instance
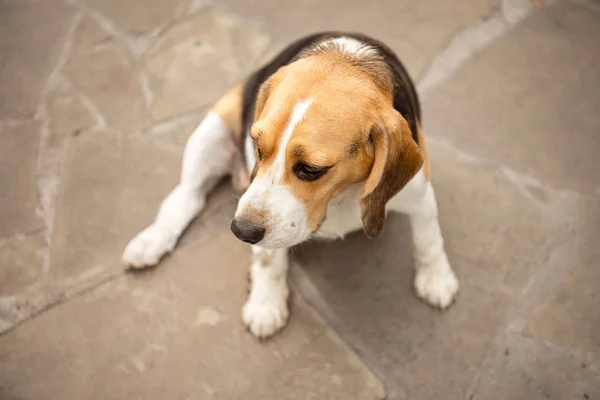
[306, 172]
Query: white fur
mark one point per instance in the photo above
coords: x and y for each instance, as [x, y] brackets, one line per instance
[266, 310]
[278, 168]
[343, 214]
[435, 281]
[249, 153]
[286, 221]
[206, 158]
[351, 46]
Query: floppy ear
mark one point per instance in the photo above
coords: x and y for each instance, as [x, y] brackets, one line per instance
[397, 160]
[261, 98]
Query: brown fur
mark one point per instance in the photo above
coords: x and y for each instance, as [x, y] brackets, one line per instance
[351, 127]
[349, 107]
[371, 63]
[229, 108]
[397, 160]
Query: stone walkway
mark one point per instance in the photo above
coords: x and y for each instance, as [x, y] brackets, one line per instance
[97, 99]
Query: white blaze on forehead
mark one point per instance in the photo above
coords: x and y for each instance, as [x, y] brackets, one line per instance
[351, 46]
[278, 168]
[281, 213]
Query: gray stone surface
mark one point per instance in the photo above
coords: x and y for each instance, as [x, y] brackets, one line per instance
[98, 98]
[21, 260]
[540, 90]
[22, 283]
[68, 114]
[175, 332]
[176, 131]
[19, 204]
[522, 369]
[419, 30]
[140, 16]
[565, 312]
[32, 34]
[196, 61]
[517, 231]
[100, 66]
[426, 354]
[112, 187]
[415, 30]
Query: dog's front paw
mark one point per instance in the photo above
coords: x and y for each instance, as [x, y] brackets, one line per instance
[148, 247]
[437, 284]
[266, 316]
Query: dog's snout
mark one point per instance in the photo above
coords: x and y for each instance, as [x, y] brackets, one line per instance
[247, 231]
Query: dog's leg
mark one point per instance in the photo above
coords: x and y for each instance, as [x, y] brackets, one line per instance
[435, 281]
[206, 158]
[266, 310]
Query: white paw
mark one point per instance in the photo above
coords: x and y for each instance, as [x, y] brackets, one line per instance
[437, 285]
[148, 247]
[266, 316]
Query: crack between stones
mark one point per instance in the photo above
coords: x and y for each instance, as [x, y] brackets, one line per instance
[302, 285]
[50, 166]
[552, 270]
[521, 180]
[62, 299]
[564, 200]
[47, 183]
[556, 346]
[22, 236]
[69, 295]
[163, 126]
[92, 108]
[472, 39]
[135, 48]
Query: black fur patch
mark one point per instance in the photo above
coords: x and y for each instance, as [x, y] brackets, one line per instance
[353, 148]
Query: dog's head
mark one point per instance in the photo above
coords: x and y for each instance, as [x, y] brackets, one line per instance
[321, 125]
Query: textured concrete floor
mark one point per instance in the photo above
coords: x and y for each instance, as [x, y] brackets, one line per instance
[97, 98]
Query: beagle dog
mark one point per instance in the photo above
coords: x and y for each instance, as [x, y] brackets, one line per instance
[322, 141]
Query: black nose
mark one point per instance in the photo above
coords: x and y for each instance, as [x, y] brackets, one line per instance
[247, 232]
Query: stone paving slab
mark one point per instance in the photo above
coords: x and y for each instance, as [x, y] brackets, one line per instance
[29, 51]
[140, 17]
[518, 233]
[197, 60]
[522, 368]
[19, 203]
[175, 332]
[530, 100]
[112, 187]
[104, 70]
[97, 102]
[423, 353]
[415, 30]
[564, 311]
[22, 278]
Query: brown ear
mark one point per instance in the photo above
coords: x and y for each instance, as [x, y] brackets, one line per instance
[261, 98]
[397, 160]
